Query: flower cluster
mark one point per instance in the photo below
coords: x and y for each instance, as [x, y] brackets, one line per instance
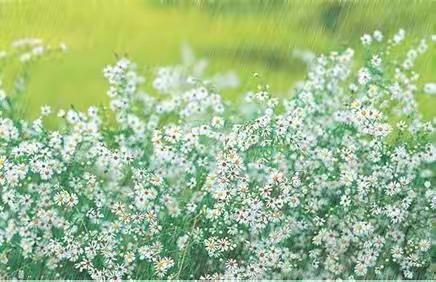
[335, 182]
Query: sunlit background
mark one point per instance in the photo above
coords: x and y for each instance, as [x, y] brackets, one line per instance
[245, 36]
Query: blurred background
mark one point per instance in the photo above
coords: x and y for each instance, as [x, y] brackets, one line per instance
[248, 37]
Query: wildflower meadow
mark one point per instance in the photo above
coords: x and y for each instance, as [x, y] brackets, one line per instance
[173, 181]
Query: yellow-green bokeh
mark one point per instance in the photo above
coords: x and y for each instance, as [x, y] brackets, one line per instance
[246, 36]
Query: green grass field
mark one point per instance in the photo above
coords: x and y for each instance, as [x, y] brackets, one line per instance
[245, 36]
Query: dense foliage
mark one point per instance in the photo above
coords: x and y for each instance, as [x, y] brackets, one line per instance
[333, 182]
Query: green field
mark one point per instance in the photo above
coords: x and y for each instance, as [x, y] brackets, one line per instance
[245, 36]
[326, 186]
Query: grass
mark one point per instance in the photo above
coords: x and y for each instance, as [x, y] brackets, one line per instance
[247, 36]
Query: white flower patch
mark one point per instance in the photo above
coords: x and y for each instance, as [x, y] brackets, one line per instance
[334, 182]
